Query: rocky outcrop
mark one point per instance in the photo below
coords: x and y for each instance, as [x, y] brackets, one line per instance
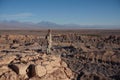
[94, 63]
[19, 68]
[75, 56]
[41, 67]
[40, 70]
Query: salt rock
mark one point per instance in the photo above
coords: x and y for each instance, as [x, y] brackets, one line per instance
[68, 73]
[63, 64]
[40, 70]
[15, 45]
[3, 69]
[114, 58]
[55, 63]
[7, 59]
[27, 58]
[59, 74]
[24, 59]
[35, 78]
[19, 68]
[48, 66]
[9, 76]
[44, 55]
[48, 77]
[56, 58]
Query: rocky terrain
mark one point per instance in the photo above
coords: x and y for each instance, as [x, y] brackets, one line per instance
[76, 55]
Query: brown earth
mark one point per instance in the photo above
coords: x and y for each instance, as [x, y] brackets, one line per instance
[76, 55]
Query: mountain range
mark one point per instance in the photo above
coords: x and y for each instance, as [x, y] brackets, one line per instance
[51, 25]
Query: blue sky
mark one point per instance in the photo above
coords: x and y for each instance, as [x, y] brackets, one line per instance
[84, 12]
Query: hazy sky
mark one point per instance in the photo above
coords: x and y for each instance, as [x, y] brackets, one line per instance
[103, 12]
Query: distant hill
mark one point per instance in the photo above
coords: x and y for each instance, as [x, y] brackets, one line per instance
[51, 25]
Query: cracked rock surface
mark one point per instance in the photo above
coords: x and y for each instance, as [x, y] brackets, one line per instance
[48, 67]
[76, 55]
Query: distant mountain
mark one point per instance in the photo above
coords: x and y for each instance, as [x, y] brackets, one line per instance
[51, 25]
[46, 23]
[17, 25]
[27, 25]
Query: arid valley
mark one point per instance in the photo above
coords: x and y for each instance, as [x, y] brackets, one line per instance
[74, 55]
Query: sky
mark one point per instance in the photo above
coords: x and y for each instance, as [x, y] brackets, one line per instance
[83, 12]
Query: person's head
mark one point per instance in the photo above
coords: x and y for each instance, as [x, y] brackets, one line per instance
[49, 30]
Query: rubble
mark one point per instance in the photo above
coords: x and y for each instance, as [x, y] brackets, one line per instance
[48, 65]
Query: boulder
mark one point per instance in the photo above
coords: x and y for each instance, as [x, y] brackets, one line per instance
[40, 70]
[19, 68]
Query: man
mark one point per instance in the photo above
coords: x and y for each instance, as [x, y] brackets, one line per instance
[49, 41]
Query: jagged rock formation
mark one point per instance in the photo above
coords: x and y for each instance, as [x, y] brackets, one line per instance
[100, 64]
[37, 67]
[74, 56]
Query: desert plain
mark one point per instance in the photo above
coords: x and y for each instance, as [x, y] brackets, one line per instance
[84, 54]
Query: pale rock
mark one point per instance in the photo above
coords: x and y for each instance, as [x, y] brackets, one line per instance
[63, 64]
[55, 63]
[57, 59]
[3, 69]
[9, 76]
[59, 74]
[19, 68]
[50, 68]
[26, 58]
[44, 63]
[44, 56]
[40, 70]
[68, 72]
[38, 61]
[48, 77]
[35, 78]
[7, 59]
[15, 45]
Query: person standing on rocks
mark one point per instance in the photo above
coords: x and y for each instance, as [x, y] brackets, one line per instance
[49, 41]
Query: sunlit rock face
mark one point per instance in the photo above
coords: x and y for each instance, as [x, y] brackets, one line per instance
[41, 67]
